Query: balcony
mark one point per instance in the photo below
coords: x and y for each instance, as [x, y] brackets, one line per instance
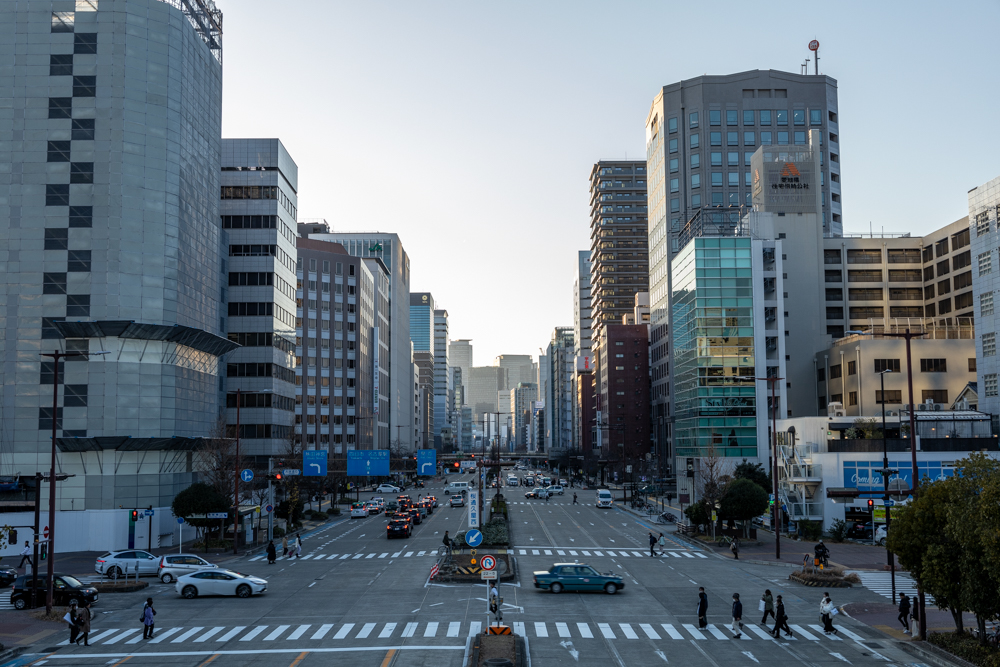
[799, 511]
[804, 473]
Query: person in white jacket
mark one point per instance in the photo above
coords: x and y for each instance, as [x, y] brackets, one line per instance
[25, 554]
[827, 610]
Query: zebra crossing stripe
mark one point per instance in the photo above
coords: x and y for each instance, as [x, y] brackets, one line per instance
[232, 633]
[298, 632]
[396, 555]
[629, 632]
[585, 553]
[695, 632]
[345, 556]
[407, 554]
[409, 629]
[184, 636]
[97, 637]
[572, 553]
[561, 553]
[211, 633]
[346, 628]
[819, 628]
[648, 629]
[851, 635]
[669, 629]
[387, 630]
[371, 555]
[598, 553]
[798, 629]
[611, 553]
[255, 558]
[475, 627]
[454, 629]
[563, 630]
[115, 640]
[253, 633]
[674, 554]
[321, 632]
[522, 552]
[357, 556]
[277, 632]
[308, 557]
[548, 552]
[687, 555]
[541, 630]
[534, 552]
[606, 631]
[431, 629]
[700, 555]
[366, 630]
[163, 634]
[763, 634]
[383, 555]
[584, 630]
[716, 632]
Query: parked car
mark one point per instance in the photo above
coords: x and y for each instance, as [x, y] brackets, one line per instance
[118, 563]
[860, 531]
[176, 565]
[66, 589]
[398, 528]
[881, 534]
[458, 500]
[386, 488]
[577, 577]
[219, 582]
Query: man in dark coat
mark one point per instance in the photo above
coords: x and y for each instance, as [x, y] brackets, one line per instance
[652, 545]
[737, 616]
[702, 607]
[904, 612]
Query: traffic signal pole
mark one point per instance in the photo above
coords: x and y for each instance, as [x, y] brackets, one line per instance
[270, 500]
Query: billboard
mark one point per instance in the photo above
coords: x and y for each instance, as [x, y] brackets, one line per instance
[375, 383]
[785, 181]
[368, 463]
[584, 364]
[426, 461]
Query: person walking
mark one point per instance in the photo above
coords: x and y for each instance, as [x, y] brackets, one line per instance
[827, 611]
[768, 604]
[663, 544]
[781, 621]
[25, 555]
[734, 546]
[904, 613]
[74, 629]
[84, 616]
[148, 619]
[702, 607]
[298, 546]
[271, 555]
[284, 546]
[574, 499]
[737, 616]
[652, 544]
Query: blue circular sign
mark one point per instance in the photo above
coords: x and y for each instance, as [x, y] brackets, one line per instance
[180, 519]
[247, 475]
[473, 538]
[268, 509]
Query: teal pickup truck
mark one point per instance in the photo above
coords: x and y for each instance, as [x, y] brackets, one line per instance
[577, 577]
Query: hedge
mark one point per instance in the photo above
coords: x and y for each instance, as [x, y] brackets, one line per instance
[966, 647]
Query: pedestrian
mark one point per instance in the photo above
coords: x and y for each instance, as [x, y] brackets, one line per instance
[574, 499]
[25, 555]
[446, 541]
[652, 544]
[781, 621]
[734, 546]
[904, 613]
[71, 618]
[271, 555]
[298, 546]
[284, 546]
[702, 607]
[827, 611]
[737, 616]
[663, 544]
[767, 606]
[83, 621]
[148, 619]
[548, 494]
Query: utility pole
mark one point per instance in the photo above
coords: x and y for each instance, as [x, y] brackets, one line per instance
[776, 507]
[34, 557]
[885, 486]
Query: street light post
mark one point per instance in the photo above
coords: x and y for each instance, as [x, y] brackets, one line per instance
[776, 507]
[885, 485]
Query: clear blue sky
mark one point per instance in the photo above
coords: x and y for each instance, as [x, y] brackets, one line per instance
[470, 128]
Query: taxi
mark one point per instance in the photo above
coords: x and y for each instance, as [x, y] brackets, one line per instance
[577, 577]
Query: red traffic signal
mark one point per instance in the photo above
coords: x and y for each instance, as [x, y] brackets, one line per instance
[456, 464]
[871, 503]
[135, 515]
[278, 477]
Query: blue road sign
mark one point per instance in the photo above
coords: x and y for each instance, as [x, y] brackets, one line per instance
[888, 503]
[473, 538]
[148, 512]
[180, 519]
[268, 508]
[368, 463]
[314, 463]
[426, 461]
[247, 475]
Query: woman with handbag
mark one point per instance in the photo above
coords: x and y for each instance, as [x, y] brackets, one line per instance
[827, 612]
[766, 606]
[83, 622]
[781, 621]
[71, 618]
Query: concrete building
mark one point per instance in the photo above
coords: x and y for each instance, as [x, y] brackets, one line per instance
[389, 249]
[484, 383]
[109, 214]
[544, 368]
[944, 363]
[522, 403]
[581, 305]
[984, 218]
[586, 424]
[258, 207]
[460, 356]
[336, 350]
[422, 321]
[443, 388]
[623, 385]
[423, 400]
[519, 367]
[559, 390]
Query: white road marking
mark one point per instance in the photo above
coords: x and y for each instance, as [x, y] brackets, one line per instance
[606, 630]
[253, 633]
[648, 629]
[342, 633]
[211, 633]
[232, 633]
[670, 630]
[186, 635]
[298, 632]
[695, 632]
[562, 629]
[584, 630]
[387, 630]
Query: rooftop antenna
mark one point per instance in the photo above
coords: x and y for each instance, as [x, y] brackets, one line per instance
[814, 46]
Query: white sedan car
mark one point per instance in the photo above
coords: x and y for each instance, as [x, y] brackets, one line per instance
[387, 488]
[359, 512]
[219, 582]
[118, 563]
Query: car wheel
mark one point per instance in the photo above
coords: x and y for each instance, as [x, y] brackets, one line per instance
[189, 592]
[881, 542]
[610, 588]
[243, 591]
[167, 578]
[20, 604]
[114, 572]
[556, 588]
[73, 601]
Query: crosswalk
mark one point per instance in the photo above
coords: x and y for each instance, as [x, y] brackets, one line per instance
[5, 602]
[374, 555]
[337, 632]
[627, 553]
[881, 583]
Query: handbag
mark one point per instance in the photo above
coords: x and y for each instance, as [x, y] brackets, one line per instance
[833, 612]
[761, 605]
[68, 618]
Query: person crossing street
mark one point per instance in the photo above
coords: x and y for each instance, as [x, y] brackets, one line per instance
[737, 616]
[663, 544]
[148, 619]
[702, 607]
[574, 499]
[652, 544]
[904, 613]
[271, 555]
[768, 604]
[25, 554]
[827, 611]
[781, 620]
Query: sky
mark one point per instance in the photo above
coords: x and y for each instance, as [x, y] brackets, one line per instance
[470, 129]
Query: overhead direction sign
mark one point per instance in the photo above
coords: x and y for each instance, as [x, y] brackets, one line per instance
[426, 461]
[368, 463]
[218, 515]
[314, 462]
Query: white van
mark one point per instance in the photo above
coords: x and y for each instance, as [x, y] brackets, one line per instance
[604, 498]
[456, 487]
[511, 480]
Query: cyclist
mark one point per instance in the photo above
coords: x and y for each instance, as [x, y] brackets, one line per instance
[822, 553]
[446, 541]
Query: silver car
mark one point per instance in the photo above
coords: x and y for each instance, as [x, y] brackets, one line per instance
[176, 565]
[119, 563]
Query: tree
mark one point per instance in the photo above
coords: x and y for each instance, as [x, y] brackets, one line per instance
[755, 473]
[926, 549]
[743, 500]
[864, 428]
[698, 513]
[714, 476]
[199, 498]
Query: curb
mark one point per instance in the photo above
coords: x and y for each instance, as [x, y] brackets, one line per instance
[304, 534]
[11, 653]
[918, 649]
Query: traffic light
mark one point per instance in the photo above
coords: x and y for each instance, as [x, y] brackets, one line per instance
[456, 464]
[43, 551]
[276, 477]
[871, 503]
[135, 515]
[12, 536]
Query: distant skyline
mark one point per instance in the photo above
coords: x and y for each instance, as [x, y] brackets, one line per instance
[470, 130]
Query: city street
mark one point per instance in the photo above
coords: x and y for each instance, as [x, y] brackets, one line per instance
[355, 593]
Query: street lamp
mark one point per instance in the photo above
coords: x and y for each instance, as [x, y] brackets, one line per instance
[885, 485]
[776, 507]
[55, 356]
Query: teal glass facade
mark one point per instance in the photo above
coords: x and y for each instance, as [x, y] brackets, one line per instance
[713, 322]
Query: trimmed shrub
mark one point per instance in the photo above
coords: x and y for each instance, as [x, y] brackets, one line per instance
[838, 530]
[495, 532]
[966, 647]
[333, 511]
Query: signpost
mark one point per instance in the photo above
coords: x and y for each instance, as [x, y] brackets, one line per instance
[474, 509]
[474, 538]
[268, 508]
[487, 575]
[291, 472]
[180, 534]
[217, 515]
[314, 462]
[488, 562]
[246, 475]
[368, 463]
[426, 461]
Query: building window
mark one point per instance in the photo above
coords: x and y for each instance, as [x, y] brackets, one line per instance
[715, 117]
[986, 304]
[672, 145]
[675, 205]
[934, 395]
[933, 365]
[799, 116]
[693, 119]
[57, 195]
[717, 178]
[83, 129]
[58, 151]
[732, 138]
[715, 138]
[765, 117]
[747, 157]
[79, 261]
[60, 107]
[891, 397]
[748, 117]
[674, 184]
[747, 179]
[782, 138]
[985, 263]
[765, 138]
[835, 294]
[695, 160]
[989, 343]
[84, 86]
[852, 368]
[671, 125]
[732, 116]
[834, 330]
[834, 313]
[972, 364]
[990, 384]
[835, 372]
[717, 199]
[62, 21]
[749, 138]
[891, 365]
[800, 138]
[695, 180]
[695, 200]
[781, 116]
[820, 375]
[852, 398]
[85, 42]
[734, 200]
[81, 172]
[833, 277]
[733, 159]
[694, 140]
[81, 216]
[716, 159]
[734, 179]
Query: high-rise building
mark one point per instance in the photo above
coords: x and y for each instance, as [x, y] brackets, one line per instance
[339, 342]
[484, 383]
[389, 249]
[700, 136]
[109, 214]
[460, 356]
[422, 321]
[522, 403]
[559, 390]
[443, 388]
[984, 221]
[623, 383]
[259, 199]
[581, 305]
[520, 368]
[423, 401]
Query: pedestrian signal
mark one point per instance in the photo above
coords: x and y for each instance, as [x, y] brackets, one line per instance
[871, 503]
[135, 515]
[43, 552]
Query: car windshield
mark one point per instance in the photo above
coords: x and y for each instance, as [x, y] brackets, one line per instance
[72, 581]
